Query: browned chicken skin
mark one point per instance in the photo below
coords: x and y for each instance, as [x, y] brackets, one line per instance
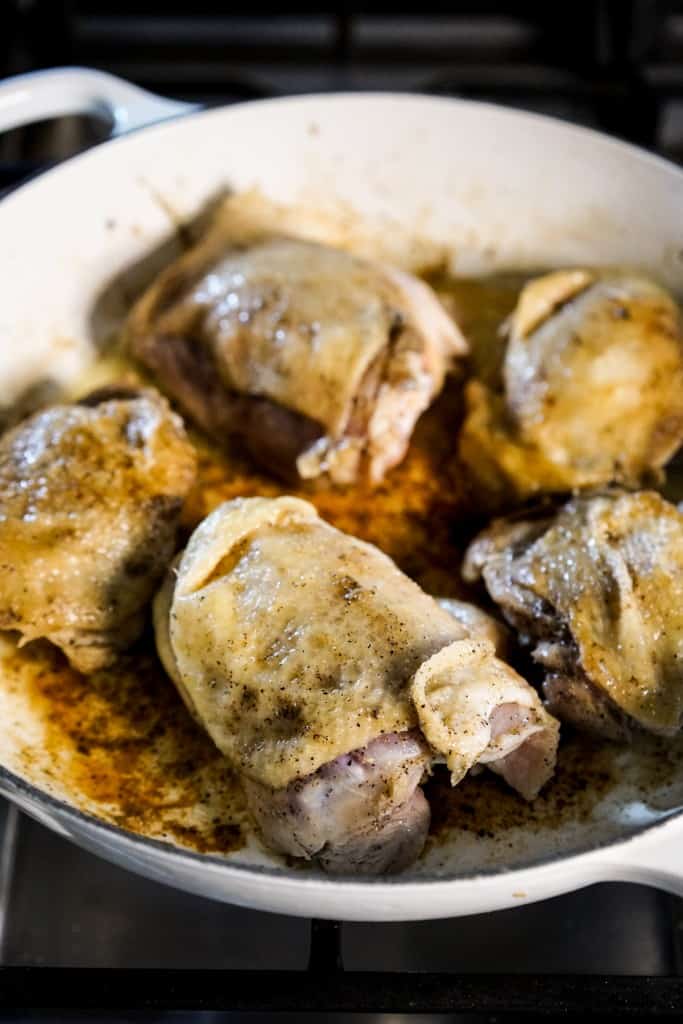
[90, 497]
[598, 591]
[478, 623]
[331, 682]
[591, 390]
[320, 361]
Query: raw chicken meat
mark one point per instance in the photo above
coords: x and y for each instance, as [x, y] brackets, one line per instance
[363, 813]
[475, 709]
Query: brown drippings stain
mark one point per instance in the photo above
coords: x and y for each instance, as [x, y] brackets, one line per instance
[485, 805]
[124, 741]
[410, 515]
[588, 771]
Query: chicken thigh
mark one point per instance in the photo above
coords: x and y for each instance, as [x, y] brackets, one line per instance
[331, 682]
[598, 591]
[363, 813]
[591, 390]
[320, 361]
[90, 497]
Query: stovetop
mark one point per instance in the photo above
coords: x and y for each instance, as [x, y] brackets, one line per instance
[612, 64]
[63, 908]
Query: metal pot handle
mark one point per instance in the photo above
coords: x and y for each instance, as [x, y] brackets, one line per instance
[41, 95]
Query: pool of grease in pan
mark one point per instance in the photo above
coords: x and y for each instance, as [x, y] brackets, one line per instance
[121, 745]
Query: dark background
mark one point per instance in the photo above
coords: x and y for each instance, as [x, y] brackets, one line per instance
[613, 64]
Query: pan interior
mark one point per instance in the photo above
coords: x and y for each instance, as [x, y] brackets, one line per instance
[121, 746]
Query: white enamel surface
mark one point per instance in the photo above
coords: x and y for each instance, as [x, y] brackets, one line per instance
[653, 859]
[482, 186]
[45, 94]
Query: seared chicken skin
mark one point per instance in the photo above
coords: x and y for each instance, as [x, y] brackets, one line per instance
[598, 591]
[478, 624]
[321, 362]
[90, 497]
[331, 682]
[591, 389]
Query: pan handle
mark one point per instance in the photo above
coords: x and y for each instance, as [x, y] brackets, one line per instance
[655, 859]
[41, 95]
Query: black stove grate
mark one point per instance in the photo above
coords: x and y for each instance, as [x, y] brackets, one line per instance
[335, 991]
[78, 935]
[325, 987]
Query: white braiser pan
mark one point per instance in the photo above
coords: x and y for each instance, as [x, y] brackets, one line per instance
[489, 188]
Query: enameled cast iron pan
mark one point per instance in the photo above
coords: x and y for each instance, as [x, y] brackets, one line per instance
[488, 188]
